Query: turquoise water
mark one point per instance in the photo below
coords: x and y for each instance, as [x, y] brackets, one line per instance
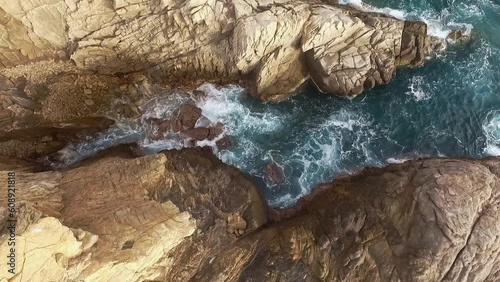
[450, 107]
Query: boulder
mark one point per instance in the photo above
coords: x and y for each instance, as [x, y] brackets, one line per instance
[459, 36]
[183, 208]
[215, 131]
[274, 173]
[413, 43]
[280, 75]
[188, 115]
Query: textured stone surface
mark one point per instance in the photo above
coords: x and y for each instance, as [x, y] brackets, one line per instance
[184, 215]
[274, 46]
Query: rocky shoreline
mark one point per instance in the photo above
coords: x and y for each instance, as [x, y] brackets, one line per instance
[184, 215]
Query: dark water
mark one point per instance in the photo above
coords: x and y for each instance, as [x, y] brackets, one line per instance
[449, 107]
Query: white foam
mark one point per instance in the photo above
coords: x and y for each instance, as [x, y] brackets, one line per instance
[416, 88]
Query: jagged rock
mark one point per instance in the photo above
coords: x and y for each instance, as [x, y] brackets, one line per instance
[188, 115]
[138, 211]
[413, 43]
[89, 102]
[154, 217]
[280, 75]
[459, 36]
[225, 142]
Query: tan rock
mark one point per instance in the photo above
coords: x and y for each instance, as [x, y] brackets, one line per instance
[280, 75]
[342, 49]
[155, 216]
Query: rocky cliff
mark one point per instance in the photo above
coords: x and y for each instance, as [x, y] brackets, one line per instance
[66, 64]
[184, 215]
[275, 47]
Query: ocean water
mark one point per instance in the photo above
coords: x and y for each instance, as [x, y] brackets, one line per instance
[449, 107]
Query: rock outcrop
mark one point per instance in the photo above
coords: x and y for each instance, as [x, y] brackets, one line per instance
[184, 215]
[275, 47]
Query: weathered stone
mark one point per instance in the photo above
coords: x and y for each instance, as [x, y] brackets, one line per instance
[275, 49]
[181, 208]
[459, 36]
[225, 142]
[274, 173]
[279, 75]
[199, 133]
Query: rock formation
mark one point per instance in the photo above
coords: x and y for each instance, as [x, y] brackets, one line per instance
[274, 46]
[69, 69]
[184, 215]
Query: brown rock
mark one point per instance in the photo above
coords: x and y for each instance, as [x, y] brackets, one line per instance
[164, 126]
[215, 131]
[176, 125]
[280, 75]
[280, 47]
[89, 102]
[274, 173]
[395, 223]
[459, 36]
[413, 43]
[137, 150]
[5, 83]
[198, 94]
[199, 133]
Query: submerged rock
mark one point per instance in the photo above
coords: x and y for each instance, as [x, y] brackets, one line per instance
[274, 173]
[184, 208]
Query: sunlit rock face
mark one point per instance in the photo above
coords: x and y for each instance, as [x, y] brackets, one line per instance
[154, 217]
[122, 218]
[275, 48]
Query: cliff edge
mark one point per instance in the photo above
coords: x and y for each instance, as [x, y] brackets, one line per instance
[184, 215]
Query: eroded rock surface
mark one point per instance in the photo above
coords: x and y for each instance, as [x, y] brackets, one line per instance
[276, 47]
[184, 215]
